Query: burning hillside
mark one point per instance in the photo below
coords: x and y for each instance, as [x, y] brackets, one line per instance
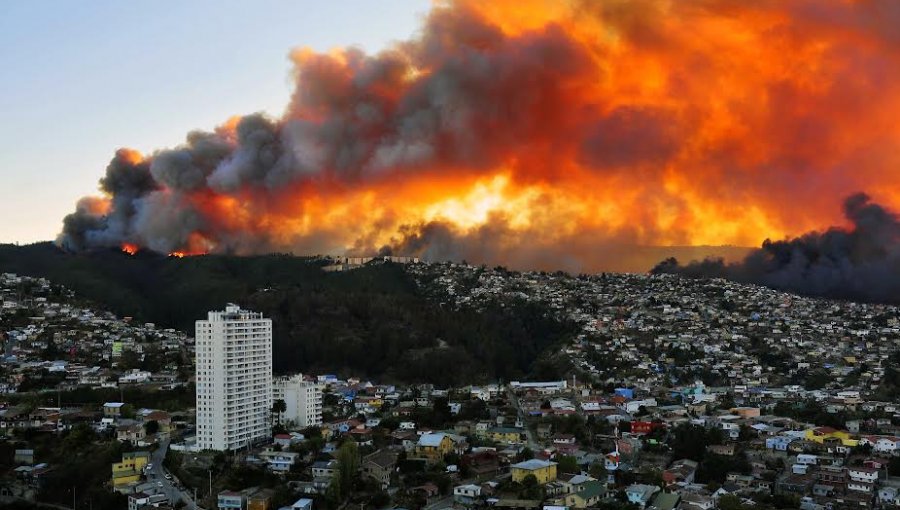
[541, 134]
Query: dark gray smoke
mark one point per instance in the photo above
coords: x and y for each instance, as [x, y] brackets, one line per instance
[606, 142]
[860, 263]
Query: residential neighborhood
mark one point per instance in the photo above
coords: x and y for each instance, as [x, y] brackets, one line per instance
[675, 394]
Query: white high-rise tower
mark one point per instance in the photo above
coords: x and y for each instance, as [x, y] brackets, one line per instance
[234, 379]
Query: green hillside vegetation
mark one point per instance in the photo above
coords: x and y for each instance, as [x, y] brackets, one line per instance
[371, 321]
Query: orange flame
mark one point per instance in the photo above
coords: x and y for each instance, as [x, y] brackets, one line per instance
[534, 131]
[130, 249]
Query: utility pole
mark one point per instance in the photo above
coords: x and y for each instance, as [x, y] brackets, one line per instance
[59, 421]
[210, 482]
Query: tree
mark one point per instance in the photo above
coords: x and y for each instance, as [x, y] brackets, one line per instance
[529, 481]
[524, 454]
[151, 427]
[348, 464]
[716, 467]
[894, 466]
[278, 409]
[730, 502]
[531, 488]
[380, 499]
[440, 412]
[475, 409]
[311, 432]
[127, 411]
[567, 464]
[334, 494]
[690, 441]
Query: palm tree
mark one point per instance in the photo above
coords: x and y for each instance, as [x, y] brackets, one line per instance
[278, 408]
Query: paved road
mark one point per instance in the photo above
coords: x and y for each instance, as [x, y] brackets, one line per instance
[533, 445]
[441, 504]
[157, 474]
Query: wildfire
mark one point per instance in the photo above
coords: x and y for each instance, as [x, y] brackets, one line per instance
[130, 249]
[532, 131]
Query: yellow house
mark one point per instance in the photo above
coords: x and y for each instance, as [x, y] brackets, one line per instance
[589, 495]
[113, 409]
[433, 447]
[504, 434]
[544, 471]
[820, 434]
[375, 402]
[260, 501]
[129, 470]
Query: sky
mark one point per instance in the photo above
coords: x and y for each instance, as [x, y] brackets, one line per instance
[83, 79]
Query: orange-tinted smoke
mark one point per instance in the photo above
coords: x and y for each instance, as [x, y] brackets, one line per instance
[525, 131]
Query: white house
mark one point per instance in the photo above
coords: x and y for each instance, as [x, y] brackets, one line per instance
[807, 458]
[860, 486]
[634, 406]
[732, 429]
[466, 494]
[888, 495]
[863, 474]
[280, 462]
[882, 444]
[640, 494]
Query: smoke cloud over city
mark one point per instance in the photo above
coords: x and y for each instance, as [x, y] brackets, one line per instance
[860, 263]
[552, 135]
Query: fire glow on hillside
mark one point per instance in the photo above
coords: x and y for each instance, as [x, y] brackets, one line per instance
[525, 132]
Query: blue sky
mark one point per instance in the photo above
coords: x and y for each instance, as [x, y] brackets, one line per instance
[80, 79]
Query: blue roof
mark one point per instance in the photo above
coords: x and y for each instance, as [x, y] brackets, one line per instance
[433, 440]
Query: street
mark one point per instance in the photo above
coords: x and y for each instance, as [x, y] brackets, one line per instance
[441, 504]
[157, 474]
[532, 444]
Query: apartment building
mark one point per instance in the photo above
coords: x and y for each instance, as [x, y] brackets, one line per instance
[302, 399]
[234, 378]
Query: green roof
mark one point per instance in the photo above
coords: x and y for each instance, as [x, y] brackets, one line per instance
[591, 489]
[665, 501]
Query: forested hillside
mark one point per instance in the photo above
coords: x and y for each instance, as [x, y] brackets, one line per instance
[371, 321]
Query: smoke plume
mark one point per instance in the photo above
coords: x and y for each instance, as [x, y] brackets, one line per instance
[539, 134]
[860, 263]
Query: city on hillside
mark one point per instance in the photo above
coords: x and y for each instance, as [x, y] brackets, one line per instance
[670, 393]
